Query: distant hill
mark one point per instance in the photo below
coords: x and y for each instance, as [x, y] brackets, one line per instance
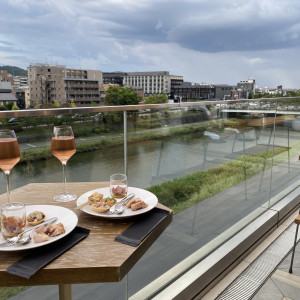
[15, 71]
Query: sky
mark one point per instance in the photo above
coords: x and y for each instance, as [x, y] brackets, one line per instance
[205, 41]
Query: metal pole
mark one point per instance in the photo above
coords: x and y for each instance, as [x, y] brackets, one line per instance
[125, 142]
[294, 247]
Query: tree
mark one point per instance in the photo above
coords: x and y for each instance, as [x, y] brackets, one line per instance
[116, 95]
[156, 99]
[9, 105]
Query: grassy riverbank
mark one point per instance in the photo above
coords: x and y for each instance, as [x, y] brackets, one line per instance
[109, 140]
[184, 192]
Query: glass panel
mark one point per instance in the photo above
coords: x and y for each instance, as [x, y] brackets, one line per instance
[213, 163]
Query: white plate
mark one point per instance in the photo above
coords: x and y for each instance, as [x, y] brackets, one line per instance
[146, 196]
[64, 215]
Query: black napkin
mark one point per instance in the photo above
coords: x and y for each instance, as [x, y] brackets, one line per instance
[40, 257]
[144, 224]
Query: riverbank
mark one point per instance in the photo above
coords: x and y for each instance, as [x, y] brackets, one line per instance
[101, 142]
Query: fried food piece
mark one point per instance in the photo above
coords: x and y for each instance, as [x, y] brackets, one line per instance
[95, 197]
[138, 205]
[100, 207]
[35, 218]
[132, 201]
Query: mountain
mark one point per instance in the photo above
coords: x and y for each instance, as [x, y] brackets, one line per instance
[15, 71]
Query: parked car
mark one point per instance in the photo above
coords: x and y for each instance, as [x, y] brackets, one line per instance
[13, 120]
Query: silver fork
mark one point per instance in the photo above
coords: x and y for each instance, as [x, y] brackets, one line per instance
[12, 241]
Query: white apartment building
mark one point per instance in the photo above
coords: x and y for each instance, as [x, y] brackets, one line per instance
[152, 82]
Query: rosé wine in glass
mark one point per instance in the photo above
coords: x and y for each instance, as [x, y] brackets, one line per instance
[63, 147]
[9, 154]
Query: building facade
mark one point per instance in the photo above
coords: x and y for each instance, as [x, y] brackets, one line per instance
[159, 82]
[20, 82]
[6, 95]
[246, 87]
[223, 91]
[193, 92]
[50, 83]
[113, 78]
[6, 77]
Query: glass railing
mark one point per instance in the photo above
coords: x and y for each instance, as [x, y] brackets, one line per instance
[218, 165]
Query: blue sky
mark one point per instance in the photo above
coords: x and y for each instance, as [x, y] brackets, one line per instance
[215, 41]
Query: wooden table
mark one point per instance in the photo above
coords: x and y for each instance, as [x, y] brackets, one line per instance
[97, 258]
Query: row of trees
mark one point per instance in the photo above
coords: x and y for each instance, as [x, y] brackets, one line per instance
[267, 95]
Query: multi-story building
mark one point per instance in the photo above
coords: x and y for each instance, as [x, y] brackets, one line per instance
[50, 83]
[223, 91]
[20, 81]
[246, 87]
[192, 91]
[113, 78]
[159, 82]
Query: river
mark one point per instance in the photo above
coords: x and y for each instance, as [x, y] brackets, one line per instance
[149, 162]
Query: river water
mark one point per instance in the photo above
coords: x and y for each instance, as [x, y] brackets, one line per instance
[149, 163]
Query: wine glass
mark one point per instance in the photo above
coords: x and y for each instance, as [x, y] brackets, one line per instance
[9, 154]
[63, 147]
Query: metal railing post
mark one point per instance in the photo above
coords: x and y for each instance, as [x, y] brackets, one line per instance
[125, 142]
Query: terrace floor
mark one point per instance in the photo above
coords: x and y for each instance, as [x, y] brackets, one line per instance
[279, 285]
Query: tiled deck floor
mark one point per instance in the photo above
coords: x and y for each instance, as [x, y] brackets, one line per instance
[280, 285]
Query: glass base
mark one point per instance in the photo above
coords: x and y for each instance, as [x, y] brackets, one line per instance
[65, 197]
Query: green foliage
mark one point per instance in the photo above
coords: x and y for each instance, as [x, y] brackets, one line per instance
[9, 105]
[15, 107]
[73, 103]
[16, 71]
[186, 191]
[116, 95]
[7, 292]
[156, 99]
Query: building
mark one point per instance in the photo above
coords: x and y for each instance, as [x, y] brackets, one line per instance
[49, 83]
[193, 92]
[6, 77]
[20, 95]
[223, 91]
[20, 82]
[6, 95]
[246, 87]
[113, 78]
[160, 82]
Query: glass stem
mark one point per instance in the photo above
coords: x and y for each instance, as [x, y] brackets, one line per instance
[7, 173]
[64, 175]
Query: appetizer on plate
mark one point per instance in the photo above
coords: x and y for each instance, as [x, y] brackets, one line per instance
[95, 197]
[43, 233]
[100, 207]
[110, 201]
[136, 203]
[35, 218]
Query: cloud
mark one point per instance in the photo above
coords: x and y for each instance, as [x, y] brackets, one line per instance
[210, 41]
